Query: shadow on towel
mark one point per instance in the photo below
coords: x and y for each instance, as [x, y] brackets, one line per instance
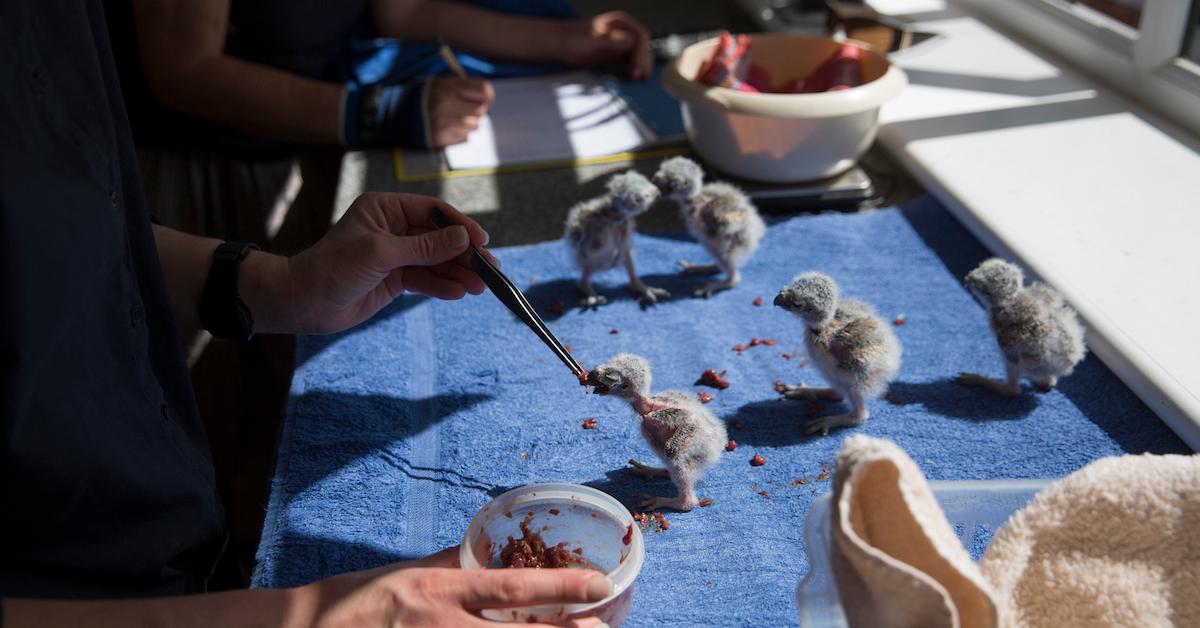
[350, 427]
[629, 488]
[775, 423]
[543, 295]
[1117, 411]
[947, 397]
[314, 344]
[958, 250]
[625, 486]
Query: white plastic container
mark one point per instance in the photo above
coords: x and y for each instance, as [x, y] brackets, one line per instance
[967, 504]
[782, 138]
[580, 515]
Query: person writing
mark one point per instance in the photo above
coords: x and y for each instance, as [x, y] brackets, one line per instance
[283, 71]
[110, 515]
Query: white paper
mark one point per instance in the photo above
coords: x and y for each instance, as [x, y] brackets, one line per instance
[550, 118]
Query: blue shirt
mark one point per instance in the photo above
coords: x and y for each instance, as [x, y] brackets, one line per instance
[106, 482]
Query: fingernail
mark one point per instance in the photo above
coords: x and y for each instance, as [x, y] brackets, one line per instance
[599, 587]
[457, 237]
[487, 237]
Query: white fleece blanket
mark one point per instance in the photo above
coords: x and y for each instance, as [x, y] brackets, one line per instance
[1115, 544]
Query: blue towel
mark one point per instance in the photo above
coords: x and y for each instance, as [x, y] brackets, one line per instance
[398, 431]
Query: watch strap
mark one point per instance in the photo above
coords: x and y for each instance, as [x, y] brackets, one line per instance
[222, 311]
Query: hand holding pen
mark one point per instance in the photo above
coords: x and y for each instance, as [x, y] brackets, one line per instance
[456, 104]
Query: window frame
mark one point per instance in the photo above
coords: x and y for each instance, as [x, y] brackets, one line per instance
[1108, 30]
[1145, 63]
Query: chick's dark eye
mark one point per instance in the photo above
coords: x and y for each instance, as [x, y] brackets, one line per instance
[624, 386]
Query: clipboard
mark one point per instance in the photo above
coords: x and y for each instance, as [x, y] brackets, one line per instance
[558, 121]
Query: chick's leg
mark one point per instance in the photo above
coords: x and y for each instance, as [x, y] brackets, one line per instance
[732, 278]
[647, 471]
[590, 299]
[801, 392]
[644, 292]
[685, 481]
[1048, 384]
[1011, 387]
[856, 416]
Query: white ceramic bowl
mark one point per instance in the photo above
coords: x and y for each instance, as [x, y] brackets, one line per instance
[782, 138]
[582, 516]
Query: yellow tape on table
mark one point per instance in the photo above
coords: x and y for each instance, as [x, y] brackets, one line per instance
[570, 162]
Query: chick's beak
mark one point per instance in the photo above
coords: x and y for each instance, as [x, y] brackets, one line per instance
[779, 302]
[594, 381]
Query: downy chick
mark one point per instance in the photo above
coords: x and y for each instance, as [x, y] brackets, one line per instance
[718, 215]
[684, 434]
[600, 233]
[856, 351]
[1040, 336]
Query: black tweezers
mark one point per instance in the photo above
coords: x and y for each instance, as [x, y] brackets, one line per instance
[512, 298]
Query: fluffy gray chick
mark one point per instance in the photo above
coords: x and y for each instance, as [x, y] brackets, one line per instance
[718, 215]
[600, 233]
[684, 434]
[1040, 336]
[856, 351]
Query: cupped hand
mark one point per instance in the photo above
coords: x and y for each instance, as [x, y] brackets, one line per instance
[455, 107]
[613, 37]
[434, 591]
[383, 246]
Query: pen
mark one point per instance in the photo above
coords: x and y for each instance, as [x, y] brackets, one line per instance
[452, 61]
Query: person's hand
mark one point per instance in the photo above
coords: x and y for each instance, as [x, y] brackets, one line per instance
[384, 245]
[455, 107]
[433, 591]
[613, 37]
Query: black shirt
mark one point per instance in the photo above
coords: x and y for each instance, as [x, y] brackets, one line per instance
[106, 483]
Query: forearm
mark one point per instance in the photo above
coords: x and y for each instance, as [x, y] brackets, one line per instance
[182, 46]
[262, 281]
[260, 607]
[472, 29]
[185, 260]
[258, 99]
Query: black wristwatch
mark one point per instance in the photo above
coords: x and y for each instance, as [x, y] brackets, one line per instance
[368, 115]
[222, 311]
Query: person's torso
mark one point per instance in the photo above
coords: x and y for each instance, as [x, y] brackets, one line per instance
[106, 483]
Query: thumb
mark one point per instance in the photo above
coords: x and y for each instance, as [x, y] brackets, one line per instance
[429, 249]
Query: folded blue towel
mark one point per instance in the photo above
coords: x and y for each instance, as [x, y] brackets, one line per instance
[398, 431]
